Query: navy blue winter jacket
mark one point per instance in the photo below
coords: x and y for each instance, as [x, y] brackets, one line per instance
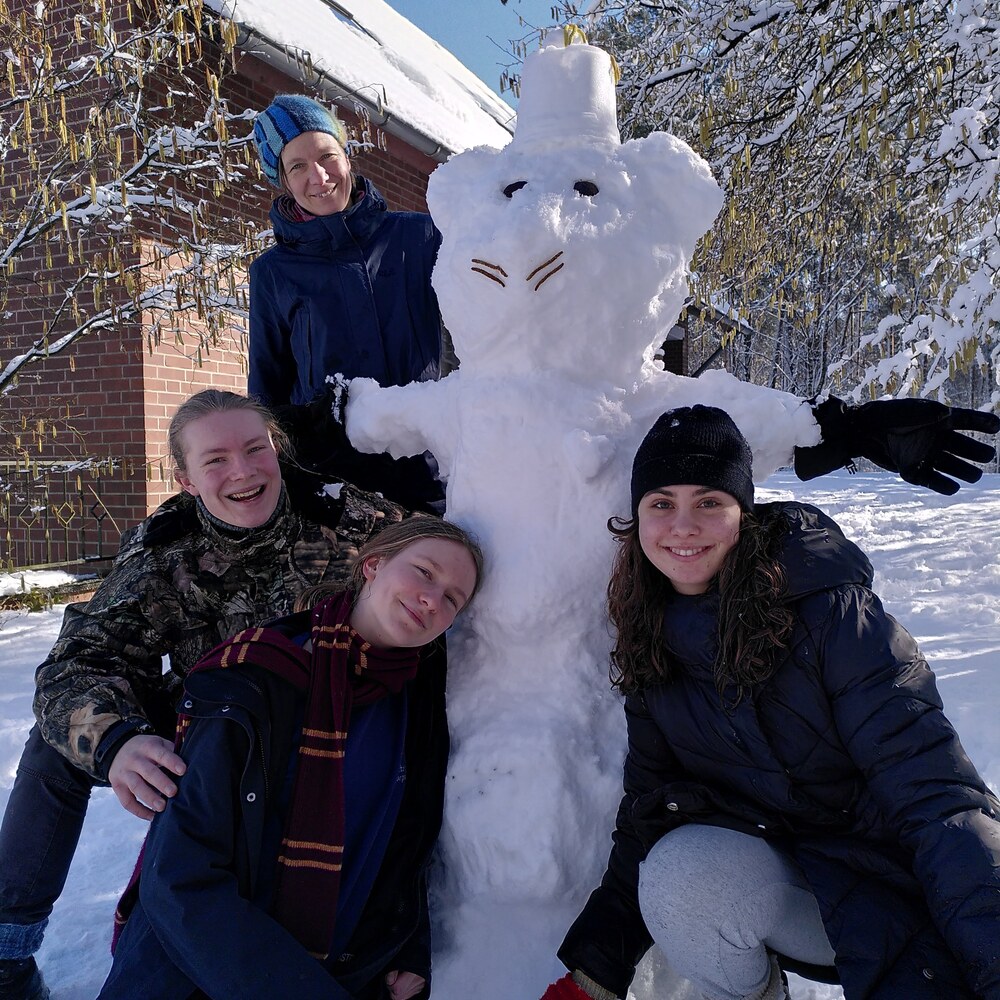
[348, 294]
[194, 931]
[845, 759]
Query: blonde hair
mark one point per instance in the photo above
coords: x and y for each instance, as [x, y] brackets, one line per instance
[219, 401]
[389, 542]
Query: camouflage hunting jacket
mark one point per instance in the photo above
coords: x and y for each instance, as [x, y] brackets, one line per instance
[176, 589]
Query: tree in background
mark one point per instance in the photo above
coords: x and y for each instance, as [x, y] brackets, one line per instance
[123, 233]
[858, 142]
[116, 151]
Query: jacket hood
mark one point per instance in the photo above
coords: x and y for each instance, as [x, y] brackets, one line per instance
[356, 223]
[816, 556]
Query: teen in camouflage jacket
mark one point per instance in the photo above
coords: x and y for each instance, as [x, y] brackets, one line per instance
[180, 585]
[237, 546]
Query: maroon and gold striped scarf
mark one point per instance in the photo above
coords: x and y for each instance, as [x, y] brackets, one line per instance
[341, 670]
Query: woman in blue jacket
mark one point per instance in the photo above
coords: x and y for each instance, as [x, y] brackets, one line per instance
[794, 795]
[345, 290]
[290, 865]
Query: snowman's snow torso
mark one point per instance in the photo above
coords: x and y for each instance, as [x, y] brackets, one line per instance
[564, 257]
[533, 466]
[527, 464]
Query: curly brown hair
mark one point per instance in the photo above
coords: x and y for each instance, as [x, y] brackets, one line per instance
[754, 625]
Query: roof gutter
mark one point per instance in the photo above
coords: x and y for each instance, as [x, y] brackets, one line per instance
[251, 41]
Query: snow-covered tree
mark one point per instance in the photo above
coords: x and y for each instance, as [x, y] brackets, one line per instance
[117, 153]
[859, 145]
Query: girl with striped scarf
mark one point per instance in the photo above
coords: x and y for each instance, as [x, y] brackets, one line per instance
[291, 862]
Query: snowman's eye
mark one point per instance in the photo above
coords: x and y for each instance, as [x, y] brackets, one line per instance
[515, 186]
[587, 188]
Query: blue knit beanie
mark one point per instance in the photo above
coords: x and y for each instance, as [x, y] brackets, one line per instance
[288, 116]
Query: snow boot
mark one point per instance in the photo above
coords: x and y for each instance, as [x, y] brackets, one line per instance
[21, 980]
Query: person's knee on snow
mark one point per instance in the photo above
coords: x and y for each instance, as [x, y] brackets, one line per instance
[719, 903]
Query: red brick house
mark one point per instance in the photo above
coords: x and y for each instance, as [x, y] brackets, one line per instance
[106, 400]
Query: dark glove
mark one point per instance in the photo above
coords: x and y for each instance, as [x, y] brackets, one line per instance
[321, 446]
[319, 423]
[335, 395]
[918, 438]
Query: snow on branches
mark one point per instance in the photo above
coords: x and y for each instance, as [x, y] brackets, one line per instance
[117, 153]
[859, 145]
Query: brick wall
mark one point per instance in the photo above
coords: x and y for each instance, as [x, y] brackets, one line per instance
[171, 374]
[110, 396]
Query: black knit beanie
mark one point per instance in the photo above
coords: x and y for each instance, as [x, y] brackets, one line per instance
[694, 446]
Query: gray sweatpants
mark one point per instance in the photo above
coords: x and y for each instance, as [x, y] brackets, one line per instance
[715, 900]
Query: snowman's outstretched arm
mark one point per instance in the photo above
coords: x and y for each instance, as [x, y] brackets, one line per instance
[401, 420]
[918, 438]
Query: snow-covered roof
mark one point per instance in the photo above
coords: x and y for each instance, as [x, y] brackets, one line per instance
[368, 51]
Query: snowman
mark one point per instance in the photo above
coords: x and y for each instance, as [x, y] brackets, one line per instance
[564, 259]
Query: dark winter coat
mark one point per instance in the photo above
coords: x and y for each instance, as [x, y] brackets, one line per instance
[178, 587]
[194, 927]
[348, 294]
[845, 759]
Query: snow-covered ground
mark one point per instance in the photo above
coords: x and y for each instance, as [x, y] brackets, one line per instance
[937, 563]
[21, 583]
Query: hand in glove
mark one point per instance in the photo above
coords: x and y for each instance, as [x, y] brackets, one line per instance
[577, 986]
[336, 396]
[316, 428]
[918, 438]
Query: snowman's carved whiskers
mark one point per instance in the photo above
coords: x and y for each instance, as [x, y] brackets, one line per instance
[544, 265]
[488, 274]
[496, 273]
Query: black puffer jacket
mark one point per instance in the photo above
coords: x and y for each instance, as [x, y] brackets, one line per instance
[844, 758]
[349, 294]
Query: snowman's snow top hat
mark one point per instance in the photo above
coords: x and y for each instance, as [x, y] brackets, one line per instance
[567, 95]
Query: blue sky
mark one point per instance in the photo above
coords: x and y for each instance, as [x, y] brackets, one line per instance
[477, 31]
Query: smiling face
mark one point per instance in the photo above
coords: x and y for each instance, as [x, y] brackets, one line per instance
[412, 597]
[316, 173]
[686, 533]
[230, 462]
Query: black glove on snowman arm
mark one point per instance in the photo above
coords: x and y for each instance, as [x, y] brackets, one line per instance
[918, 438]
